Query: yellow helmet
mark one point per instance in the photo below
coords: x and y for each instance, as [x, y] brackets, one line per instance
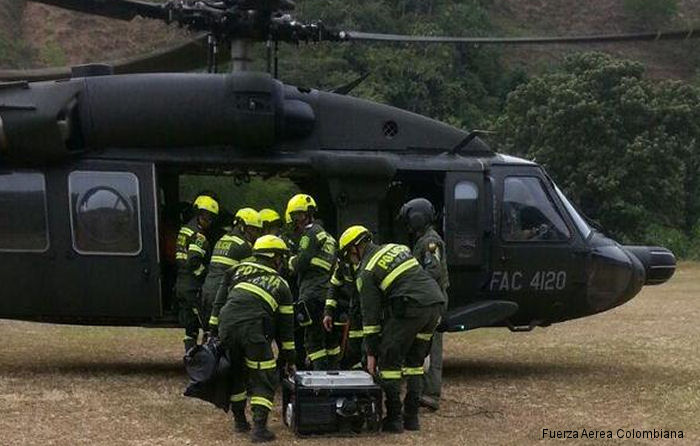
[205, 203]
[352, 236]
[249, 217]
[287, 217]
[269, 216]
[269, 245]
[301, 203]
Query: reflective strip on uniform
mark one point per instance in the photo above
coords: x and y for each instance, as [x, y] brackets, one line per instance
[232, 238]
[196, 248]
[371, 329]
[261, 365]
[181, 256]
[424, 336]
[195, 311]
[357, 366]
[200, 270]
[340, 324]
[261, 401]
[390, 374]
[286, 309]
[405, 266]
[335, 281]
[375, 258]
[412, 371]
[331, 302]
[356, 334]
[317, 355]
[188, 338]
[259, 266]
[224, 260]
[213, 320]
[321, 236]
[187, 231]
[267, 297]
[288, 345]
[333, 351]
[321, 263]
[238, 397]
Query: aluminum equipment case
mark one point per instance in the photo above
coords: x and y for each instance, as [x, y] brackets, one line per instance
[331, 403]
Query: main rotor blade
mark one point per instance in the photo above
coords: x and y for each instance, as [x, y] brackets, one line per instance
[116, 9]
[604, 38]
[187, 56]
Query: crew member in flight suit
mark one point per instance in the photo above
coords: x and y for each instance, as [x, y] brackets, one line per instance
[418, 215]
[401, 307]
[229, 251]
[255, 310]
[316, 254]
[192, 256]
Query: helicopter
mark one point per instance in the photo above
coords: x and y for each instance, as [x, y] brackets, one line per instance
[91, 159]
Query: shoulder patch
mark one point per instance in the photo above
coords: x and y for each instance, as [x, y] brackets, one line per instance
[304, 242]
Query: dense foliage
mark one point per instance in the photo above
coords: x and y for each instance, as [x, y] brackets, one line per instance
[624, 148]
[464, 85]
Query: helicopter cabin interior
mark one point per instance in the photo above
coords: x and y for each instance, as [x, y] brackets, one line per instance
[93, 241]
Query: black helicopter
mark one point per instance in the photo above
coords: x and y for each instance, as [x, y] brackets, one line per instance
[91, 159]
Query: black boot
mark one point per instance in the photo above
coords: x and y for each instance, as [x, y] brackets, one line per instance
[410, 412]
[240, 422]
[261, 433]
[392, 423]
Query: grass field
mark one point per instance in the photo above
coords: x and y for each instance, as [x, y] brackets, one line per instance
[635, 367]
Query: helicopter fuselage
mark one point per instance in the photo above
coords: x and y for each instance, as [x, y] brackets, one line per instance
[91, 168]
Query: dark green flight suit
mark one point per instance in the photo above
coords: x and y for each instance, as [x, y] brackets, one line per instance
[192, 255]
[256, 310]
[316, 254]
[229, 251]
[401, 307]
[429, 249]
[343, 305]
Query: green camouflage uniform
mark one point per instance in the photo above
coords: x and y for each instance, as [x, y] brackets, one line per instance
[229, 251]
[429, 249]
[401, 307]
[343, 305]
[256, 309]
[192, 255]
[316, 253]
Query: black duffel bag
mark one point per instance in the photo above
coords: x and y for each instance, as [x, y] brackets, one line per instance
[209, 370]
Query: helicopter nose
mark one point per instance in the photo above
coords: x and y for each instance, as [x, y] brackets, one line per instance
[615, 277]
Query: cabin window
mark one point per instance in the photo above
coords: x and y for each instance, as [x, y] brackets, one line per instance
[529, 214]
[23, 222]
[466, 219]
[105, 213]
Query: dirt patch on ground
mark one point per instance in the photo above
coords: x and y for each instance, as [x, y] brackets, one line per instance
[635, 367]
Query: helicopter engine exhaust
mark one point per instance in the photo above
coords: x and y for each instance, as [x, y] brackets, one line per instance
[49, 121]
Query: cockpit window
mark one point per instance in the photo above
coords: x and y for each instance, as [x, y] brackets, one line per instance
[528, 213]
[575, 216]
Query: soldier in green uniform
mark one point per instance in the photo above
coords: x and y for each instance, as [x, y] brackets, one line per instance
[272, 222]
[418, 215]
[193, 251]
[230, 250]
[401, 307]
[342, 312]
[316, 254]
[253, 311]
